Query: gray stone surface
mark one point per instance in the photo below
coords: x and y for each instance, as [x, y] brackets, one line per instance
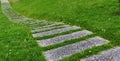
[13, 15]
[56, 31]
[39, 24]
[63, 38]
[10, 13]
[109, 55]
[68, 50]
[38, 21]
[48, 28]
[51, 25]
[4, 1]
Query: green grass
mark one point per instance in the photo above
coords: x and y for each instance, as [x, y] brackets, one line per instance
[97, 16]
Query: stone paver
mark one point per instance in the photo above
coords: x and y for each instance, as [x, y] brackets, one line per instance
[68, 50]
[10, 13]
[51, 25]
[63, 38]
[4, 1]
[109, 55]
[48, 28]
[37, 22]
[56, 31]
[39, 25]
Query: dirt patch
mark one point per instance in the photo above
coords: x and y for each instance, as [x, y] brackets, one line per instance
[118, 14]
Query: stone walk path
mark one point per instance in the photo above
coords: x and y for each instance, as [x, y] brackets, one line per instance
[10, 13]
[56, 31]
[109, 55]
[61, 52]
[63, 38]
[42, 28]
[49, 28]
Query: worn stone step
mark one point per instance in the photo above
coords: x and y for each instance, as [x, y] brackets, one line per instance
[109, 55]
[51, 25]
[63, 38]
[10, 13]
[68, 50]
[38, 22]
[48, 28]
[56, 31]
[42, 23]
[4, 1]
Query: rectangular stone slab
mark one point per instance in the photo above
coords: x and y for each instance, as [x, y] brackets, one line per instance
[68, 50]
[51, 25]
[63, 38]
[56, 31]
[109, 55]
[48, 28]
[41, 24]
[38, 21]
[4, 1]
[38, 24]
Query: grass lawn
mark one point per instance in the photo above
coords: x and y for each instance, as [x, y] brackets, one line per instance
[97, 16]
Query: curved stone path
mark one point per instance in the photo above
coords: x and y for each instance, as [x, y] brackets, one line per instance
[41, 28]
